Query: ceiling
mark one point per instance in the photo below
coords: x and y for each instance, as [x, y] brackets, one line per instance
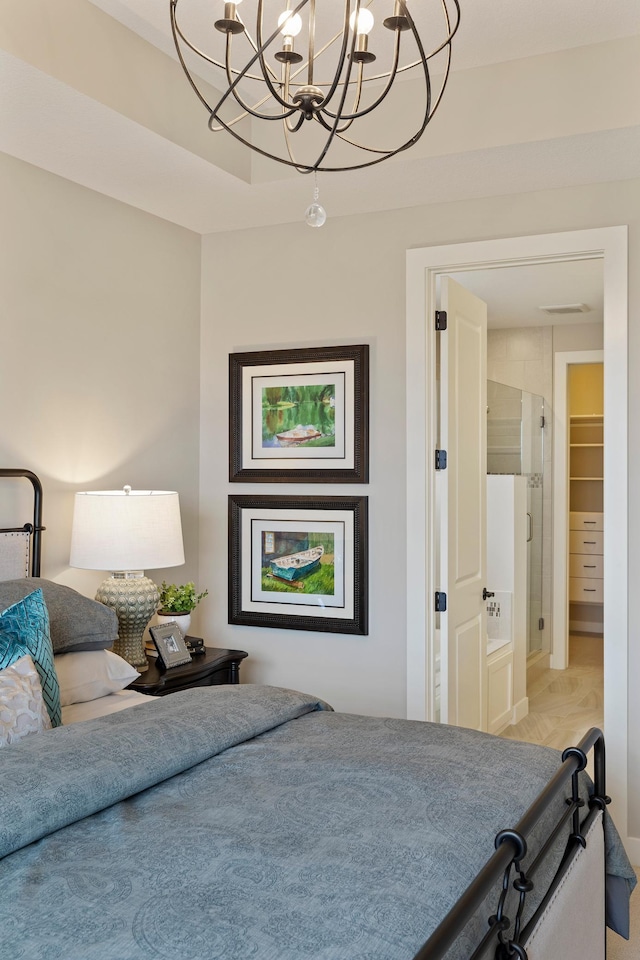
[491, 31]
[474, 149]
[515, 294]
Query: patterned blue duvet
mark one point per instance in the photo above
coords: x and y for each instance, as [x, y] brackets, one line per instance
[228, 823]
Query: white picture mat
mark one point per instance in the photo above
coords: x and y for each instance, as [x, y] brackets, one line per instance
[256, 378]
[338, 522]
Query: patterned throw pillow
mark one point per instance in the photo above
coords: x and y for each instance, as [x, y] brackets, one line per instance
[22, 709]
[24, 630]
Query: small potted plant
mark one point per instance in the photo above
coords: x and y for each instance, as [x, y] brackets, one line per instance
[178, 602]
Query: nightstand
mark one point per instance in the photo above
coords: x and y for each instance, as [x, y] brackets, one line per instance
[213, 667]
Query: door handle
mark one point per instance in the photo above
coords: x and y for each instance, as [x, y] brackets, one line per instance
[530, 534]
[487, 593]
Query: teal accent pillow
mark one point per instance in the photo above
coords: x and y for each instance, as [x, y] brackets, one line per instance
[24, 630]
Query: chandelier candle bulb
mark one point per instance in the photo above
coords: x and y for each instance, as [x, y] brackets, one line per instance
[290, 26]
[365, 21]
[290, 23]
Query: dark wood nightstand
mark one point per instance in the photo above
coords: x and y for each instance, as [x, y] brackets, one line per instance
[213, 667]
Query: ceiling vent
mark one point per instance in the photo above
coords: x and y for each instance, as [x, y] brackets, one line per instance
[564, 308]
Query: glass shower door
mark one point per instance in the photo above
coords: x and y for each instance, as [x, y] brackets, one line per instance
[515, 446]
[532, 469]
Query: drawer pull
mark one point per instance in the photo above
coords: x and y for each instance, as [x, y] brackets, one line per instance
[589, 521]
[589, 589]
[588, 566]
[589, 543]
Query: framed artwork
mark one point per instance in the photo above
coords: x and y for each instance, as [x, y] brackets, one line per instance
[299, 563]
[170, 644]
[300, 416]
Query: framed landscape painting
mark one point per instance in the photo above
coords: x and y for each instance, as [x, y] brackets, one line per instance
[300, 415]
[298, 563]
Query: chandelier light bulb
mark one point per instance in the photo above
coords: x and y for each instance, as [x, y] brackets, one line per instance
[365, 21]
[290, 23]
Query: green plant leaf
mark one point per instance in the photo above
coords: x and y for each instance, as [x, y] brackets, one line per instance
[180, 598]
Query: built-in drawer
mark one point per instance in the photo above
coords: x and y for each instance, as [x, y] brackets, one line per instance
[582, 590]
[586, 521]
[585, 566]
[580, 542]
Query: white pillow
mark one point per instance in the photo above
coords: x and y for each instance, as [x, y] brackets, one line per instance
[22, 709]
[91, 674]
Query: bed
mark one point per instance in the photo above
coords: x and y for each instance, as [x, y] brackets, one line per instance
[249, 821]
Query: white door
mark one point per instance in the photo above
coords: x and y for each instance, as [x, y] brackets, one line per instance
[462, 505]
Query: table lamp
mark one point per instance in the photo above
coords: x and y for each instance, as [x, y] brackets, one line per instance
[126, 531]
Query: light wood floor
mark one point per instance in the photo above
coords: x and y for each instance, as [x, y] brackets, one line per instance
[564, 704]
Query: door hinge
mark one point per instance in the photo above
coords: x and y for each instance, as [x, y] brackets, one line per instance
[441, 459]
[441, 319]
[542, 422]
[541, 623]
[441, 602]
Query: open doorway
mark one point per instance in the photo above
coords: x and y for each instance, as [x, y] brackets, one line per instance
[536, 312]
[424, 266]
[565, 703]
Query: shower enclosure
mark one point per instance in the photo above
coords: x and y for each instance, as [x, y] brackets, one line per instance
[515, 445]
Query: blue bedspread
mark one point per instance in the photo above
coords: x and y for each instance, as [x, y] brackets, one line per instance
[275, 829]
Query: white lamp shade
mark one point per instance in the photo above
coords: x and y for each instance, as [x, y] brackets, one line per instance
[126, 529]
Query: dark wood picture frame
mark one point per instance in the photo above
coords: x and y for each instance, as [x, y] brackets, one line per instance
[345, 459]
[261, 526]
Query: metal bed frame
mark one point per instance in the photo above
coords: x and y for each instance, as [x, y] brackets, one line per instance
[35, 528]
[505, 938]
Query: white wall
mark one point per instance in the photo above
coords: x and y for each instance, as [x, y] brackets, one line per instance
[253, 300]
[346, 283]
[99, 367]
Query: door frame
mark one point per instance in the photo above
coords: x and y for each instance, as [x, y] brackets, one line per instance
[424, 265]
[560, 623]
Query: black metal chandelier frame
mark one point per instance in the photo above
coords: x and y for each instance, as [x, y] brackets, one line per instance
[308, 100]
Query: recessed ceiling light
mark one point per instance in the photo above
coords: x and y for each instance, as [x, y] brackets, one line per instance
[566, 308]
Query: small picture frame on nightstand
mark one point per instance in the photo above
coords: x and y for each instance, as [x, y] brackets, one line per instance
[170, 645]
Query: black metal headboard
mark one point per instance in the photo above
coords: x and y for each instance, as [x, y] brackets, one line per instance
[35, 528]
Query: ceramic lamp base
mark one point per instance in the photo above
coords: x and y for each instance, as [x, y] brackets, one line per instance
[135, 599]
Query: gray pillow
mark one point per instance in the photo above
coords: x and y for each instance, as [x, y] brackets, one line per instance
[77, 623]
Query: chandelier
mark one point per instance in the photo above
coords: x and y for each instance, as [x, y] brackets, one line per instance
[320, 73]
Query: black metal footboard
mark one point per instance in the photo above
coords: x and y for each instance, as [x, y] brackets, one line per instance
[35, 528]
[506, 936]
